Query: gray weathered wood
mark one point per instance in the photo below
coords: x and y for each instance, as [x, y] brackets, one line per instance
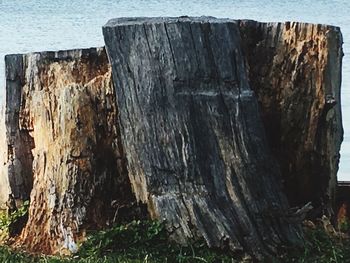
[195, 144]
[16, 157]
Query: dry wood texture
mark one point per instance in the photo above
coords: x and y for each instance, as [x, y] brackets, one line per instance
[295, 70]
[16, 158]
[64, 104]
[192, 134]
[213, 113]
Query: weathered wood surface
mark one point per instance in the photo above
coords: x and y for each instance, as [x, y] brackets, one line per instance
[16, 157]
[295, 70]
[191, 128]
[193, 137]
[64, 103]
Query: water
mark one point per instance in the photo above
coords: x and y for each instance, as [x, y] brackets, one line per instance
[38, 25]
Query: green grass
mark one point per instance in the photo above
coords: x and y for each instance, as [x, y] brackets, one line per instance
[321, 247]
[146, 241]
[8, 219]
[138, 241]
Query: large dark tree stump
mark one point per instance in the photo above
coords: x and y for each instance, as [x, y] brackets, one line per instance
[195, 144]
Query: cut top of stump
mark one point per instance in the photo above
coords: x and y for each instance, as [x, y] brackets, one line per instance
[128, 21]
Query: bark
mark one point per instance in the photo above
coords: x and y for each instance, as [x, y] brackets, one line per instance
[295, 70]
[64, 104]
[194, 141]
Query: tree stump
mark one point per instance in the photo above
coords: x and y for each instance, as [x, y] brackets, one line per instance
[193, 137]
[64, 103]
[295, 70]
